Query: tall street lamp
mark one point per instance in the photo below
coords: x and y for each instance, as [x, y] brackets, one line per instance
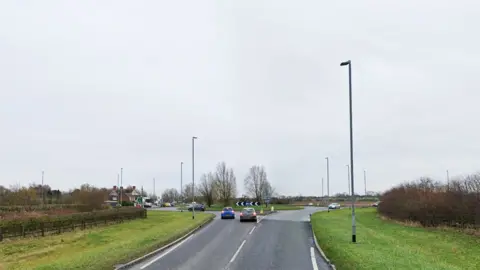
[193, 176]
[348, 178]
[349, 64]
[328, 178]
[365, 180]
[181, 181]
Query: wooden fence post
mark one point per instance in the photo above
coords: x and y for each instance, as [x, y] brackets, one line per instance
[1, 234]
[42, 228]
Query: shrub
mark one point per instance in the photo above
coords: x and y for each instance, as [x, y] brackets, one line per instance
[432, 203]
[46, 207]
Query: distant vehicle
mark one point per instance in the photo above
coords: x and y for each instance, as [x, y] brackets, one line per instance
[147, 202]
[375, 204]
[227, 212]
[310, 204]
[334, 206]
[248, 214]
[167, 204]
[197, 207]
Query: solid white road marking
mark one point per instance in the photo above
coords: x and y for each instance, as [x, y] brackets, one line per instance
[252, 230]
[314, 260]
[238, 251]
[165, 253]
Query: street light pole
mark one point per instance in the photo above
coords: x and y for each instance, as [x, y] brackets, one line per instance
[354, 227]
[448, 180]
[193, 176]
[181, 181]
[328, 178]
[365, 180]
[322, 189]
[43, 192]
[121, 185]
[348, 176]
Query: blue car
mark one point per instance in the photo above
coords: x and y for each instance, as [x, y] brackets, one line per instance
[228, 212]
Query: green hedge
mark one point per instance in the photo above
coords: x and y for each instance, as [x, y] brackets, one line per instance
[58, 224]
[28, 208]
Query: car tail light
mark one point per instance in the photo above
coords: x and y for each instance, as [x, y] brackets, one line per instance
[241, 214]
[233, 211]
[223, 212]
[254, 213]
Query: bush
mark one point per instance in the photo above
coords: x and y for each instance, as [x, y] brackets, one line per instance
[44, 225]
[126, 203]
[433, 204]
[46, 207]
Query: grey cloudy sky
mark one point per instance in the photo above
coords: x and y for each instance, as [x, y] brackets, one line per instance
[87, 87]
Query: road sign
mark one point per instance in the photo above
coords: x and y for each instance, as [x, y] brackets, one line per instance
[247, 204]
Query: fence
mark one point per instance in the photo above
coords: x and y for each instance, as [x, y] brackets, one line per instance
[55, 225]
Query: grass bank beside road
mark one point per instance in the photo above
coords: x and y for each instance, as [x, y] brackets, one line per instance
[383, 244]
[99, 248]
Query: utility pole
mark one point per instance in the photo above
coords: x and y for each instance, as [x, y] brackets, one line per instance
[154, 189]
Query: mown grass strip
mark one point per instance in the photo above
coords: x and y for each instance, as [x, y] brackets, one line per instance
[100, 248]
[383, 244]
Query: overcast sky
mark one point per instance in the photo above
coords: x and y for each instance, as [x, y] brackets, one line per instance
[87, 87]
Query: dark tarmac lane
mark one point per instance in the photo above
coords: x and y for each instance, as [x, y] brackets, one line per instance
[280, 241]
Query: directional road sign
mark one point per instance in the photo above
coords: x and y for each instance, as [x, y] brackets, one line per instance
[247, 204]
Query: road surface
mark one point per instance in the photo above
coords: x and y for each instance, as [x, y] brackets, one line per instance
[278, 241]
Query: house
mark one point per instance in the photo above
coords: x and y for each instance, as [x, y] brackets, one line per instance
[129, 194]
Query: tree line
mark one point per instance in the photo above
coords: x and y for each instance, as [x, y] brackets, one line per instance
[220, 186]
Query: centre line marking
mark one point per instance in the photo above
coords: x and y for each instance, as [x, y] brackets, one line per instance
[238, 251]
[252, 230]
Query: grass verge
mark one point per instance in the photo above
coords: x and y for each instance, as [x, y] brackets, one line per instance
[383, 244]
[99, 248]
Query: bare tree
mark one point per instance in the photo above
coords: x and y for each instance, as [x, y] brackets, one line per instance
[170, 195]
[207, 188]
[188, 192]
[257, 185]
[226, 183]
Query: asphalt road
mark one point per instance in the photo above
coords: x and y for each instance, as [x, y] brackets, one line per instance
[279, 241]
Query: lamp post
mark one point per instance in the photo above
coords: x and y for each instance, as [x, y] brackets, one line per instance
[328, 178]
[349, 64]
[181, 181]
[348, 178]
[193, 176]
[365, 180]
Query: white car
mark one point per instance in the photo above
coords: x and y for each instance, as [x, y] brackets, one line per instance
[334, 206]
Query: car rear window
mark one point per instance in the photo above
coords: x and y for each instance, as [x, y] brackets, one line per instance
[227, 209]
[248, 210]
